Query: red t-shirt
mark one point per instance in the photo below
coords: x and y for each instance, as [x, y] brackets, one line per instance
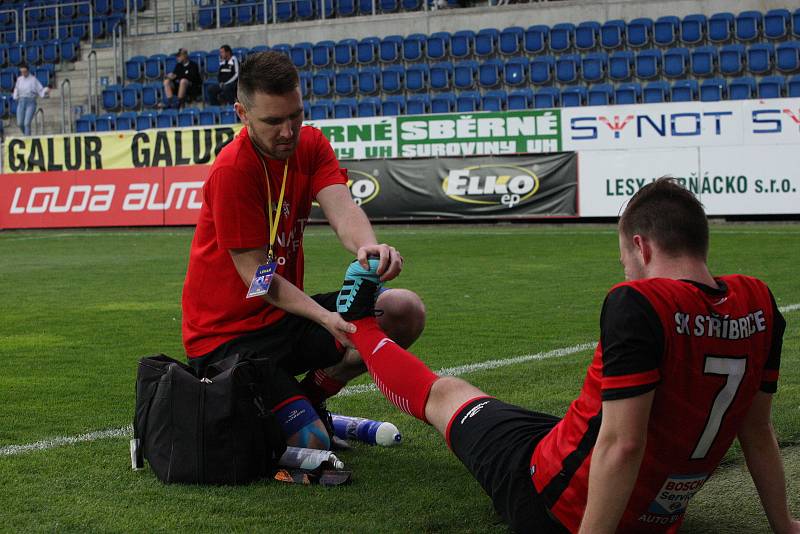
[706, 353]
[233, 215]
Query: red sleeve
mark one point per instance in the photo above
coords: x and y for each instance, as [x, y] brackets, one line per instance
[238, 206]
[326, 171]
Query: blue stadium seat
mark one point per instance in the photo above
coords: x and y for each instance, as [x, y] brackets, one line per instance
[8, 78]
[684, 91]
[367, 51]
[486, 42]
[245, 15]
[154, 67]
[494, 100]
[693, 29]
[242, 52]
[665, 30]
[33, 53]
[587, 35]
[546, 97]
[676, 62]
[639, 32]
[388, 6]
[167, 118]
[145, 120]
[535, 39]
[441, 76]
[593, 67]
[437, 46]
[520, 99]
[748, 25]
[464, 74]
[468, 101]
[322, 83]
[541, 69]
[392, 78]
[169, 63]
[561, 37]
[389, 50]
[648, 64]
[414, 47]
[198, 57]
[655, 92]
[227, 15]
[411, 5]
[227, 115]
[51, 51]
[742, 88]
[112, 97]
[731, 59]
[322, 54]
[713, 90]
[305, 9]
[760, 58]
[567, 66]
[771, 87]
[188, 117]
[321, 109]
[151, 94]
[796, 23]
[344, 52]
[105, 123]
[212, 63]
[305, 83]
[612, 34]
[301, 54]
[418, 104]
[85, 123]
[628, 93]
[720, 27]
[443, 103]
[461, 45]
[393, 105]
[134, 68]
[345, 8]
[515, 71]
[787, 57]
[131, 96]
[45, 74]
[620, 65]
[573, 96]
[704, 60]
[345, 108]
[490, 73]
[417, 78]
[511, 40]
[69, 49]
[793, 86]
[345, 82]
[284, 10]
[777, 23]
[125, 121]
[368, 78]
[207, 17]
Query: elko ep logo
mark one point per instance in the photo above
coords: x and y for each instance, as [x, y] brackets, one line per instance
[506, 185]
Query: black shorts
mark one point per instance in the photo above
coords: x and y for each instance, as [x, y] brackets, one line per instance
[297, 344]
[495, 441]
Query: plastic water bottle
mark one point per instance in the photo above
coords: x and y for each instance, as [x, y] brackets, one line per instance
[309, 458]
[366, 430]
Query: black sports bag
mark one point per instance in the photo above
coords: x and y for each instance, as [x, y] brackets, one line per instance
[215, 429]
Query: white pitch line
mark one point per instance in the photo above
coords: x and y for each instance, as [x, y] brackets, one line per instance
[127, 431]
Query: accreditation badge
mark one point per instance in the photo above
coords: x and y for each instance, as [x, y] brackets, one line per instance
[262, 279]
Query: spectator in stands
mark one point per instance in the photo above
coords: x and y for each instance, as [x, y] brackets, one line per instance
[184, 79]
[27, 88]
[225, 92]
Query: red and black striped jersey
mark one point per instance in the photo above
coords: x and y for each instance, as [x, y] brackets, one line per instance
[706, 352]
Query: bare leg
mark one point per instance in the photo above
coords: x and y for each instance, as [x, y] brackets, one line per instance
[183, 86]
[167, 88]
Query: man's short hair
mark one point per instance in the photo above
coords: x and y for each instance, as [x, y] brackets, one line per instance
[227, 48]
[23, 65]
[670, 215]
[270, 72]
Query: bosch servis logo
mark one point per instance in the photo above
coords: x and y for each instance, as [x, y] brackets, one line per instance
[364, 187]
[506, 185]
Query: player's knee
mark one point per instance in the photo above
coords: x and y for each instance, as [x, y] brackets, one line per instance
[403, 316]
[447, 395]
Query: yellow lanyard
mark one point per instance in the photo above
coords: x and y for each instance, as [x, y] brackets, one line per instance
[273, 225]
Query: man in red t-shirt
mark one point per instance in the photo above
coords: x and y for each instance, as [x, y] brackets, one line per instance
[257, 200]
[686, 362]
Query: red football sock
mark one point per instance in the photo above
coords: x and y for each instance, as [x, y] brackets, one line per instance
[319, 386]
[402, 378]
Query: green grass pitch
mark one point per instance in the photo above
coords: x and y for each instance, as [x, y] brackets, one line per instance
[80, 307]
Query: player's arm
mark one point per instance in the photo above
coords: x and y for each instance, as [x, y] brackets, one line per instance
[615, 461]
[764, 461]
[285, 295]
[355, 231]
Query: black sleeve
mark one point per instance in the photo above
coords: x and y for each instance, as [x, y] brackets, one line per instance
[632, 340]
[769, 381]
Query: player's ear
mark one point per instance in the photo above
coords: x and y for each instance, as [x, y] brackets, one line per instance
[644, 248]
[241, 112]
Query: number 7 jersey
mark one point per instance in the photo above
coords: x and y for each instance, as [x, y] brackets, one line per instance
[706, 352]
